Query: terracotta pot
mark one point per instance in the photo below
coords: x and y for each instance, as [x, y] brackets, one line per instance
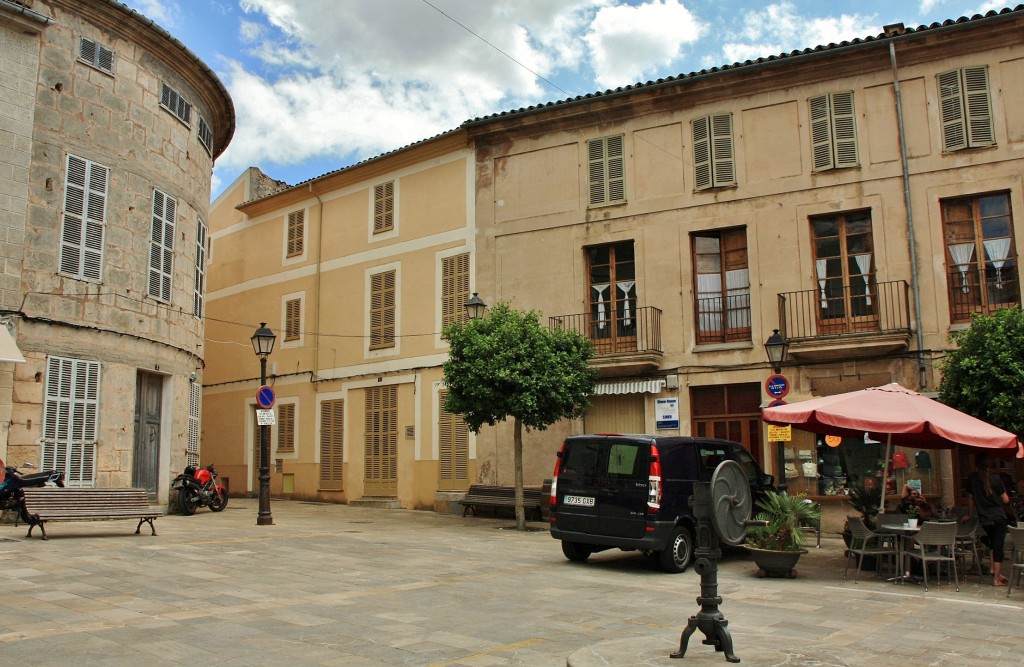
[775, 563]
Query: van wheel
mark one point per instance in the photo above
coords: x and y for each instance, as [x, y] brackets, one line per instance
[575, 551]
[677, 555]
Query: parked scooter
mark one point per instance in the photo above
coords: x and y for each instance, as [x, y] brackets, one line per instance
[12, 481]
[198, 488]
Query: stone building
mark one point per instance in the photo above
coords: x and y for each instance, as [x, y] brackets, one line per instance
[110, 136]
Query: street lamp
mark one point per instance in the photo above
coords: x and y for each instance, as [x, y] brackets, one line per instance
[776, 347]
[475, 306]
[263, 344]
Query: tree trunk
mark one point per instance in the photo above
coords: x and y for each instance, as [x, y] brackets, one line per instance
[518, 464]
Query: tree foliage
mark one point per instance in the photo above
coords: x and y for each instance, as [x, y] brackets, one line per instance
[507, 365]
[984, 375]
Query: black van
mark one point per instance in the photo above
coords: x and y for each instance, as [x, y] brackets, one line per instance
[632, 492]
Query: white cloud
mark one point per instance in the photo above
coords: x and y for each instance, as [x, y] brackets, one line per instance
[628, 42]
[163, 12]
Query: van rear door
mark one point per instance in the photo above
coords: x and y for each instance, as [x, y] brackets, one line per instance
[623, 504]
[602, 487]
[580, 477]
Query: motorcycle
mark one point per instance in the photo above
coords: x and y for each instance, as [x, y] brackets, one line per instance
[12, 481]
[197, 487]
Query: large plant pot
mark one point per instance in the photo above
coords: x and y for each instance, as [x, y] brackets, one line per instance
[776, 563]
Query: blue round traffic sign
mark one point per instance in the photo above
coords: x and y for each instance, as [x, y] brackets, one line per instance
[777, 386]
[265, 397]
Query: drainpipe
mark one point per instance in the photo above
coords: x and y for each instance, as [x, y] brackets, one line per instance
[907, 203]
[316, 287]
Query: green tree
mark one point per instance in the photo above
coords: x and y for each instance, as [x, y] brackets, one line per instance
[507, 365]
[984, 375]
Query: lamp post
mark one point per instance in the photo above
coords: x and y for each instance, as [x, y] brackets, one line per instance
[475, 307]
[263, 344]
[776, 348]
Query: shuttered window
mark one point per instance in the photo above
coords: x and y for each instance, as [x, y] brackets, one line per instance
[195, 398]
[200, 282]
[292, 319]
[381, 429]
[85, 214]
[382, 310]
[172, 100]
[723, 286]
[286, 428]
[384, 207]
[713, 160]
[833, 131]
[205, 135]
[454, 289]
[296, 232]
[966, 109]
[607, 170]
[453, 449]
[71, 418]
[96, 55]
[161, 247]
[332, 450]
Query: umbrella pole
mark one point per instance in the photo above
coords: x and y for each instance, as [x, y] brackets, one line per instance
[885, 472]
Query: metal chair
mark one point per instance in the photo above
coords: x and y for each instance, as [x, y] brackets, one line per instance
[866, 542]
[935, 543]
[1015, 537]
[967, 542]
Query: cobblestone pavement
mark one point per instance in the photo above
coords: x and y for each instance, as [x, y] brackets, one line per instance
[337, 585]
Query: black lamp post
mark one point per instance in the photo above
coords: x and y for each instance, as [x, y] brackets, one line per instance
[776, 347]
[475, 306]
[263, 344]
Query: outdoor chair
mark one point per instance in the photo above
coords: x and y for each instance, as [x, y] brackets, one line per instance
[866, 542]
[935, 543]
[1015, 540]
[967, 542]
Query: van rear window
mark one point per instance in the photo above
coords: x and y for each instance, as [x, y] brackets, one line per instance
[623, 461]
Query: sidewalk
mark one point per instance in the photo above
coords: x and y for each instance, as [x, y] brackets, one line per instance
[336, 585]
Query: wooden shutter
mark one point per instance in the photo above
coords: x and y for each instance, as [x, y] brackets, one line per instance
[844, 129]
[954, 127]
[286, 427]
[821, 133]
[161, 249]
[453, 448]
[382, 310]
[723, 163]
[978, 107]
[606, 169]
[381, 429]
[702, 153]
[332, 450]
[296, 232]
[292, 319]
[454, 289]
[384, 207]
[85, 212]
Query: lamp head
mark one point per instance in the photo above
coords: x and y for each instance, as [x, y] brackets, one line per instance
[263, 341]
[776, 347]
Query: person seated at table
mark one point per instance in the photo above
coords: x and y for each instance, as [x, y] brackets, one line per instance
[912, 499]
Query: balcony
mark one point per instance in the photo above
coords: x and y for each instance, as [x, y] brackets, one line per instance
[839, 321]
[625, 343]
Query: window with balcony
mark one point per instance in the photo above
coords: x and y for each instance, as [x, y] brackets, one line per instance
[844, 263]
[981, 259]
[612, 296]
[723, 286]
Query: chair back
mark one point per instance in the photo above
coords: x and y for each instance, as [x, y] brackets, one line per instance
[858, 531]
[885, 520]
[937, 533]
[966, 529]
[1015, 538]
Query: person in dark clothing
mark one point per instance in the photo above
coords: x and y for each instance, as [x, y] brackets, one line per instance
[988, 498]
[912, 499]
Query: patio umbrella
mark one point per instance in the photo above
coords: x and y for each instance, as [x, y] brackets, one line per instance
[895, 415]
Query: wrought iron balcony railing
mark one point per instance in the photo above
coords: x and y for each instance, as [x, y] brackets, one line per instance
[835, 309]
[619, 332]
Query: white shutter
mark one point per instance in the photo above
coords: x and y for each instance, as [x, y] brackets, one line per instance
[70, 418]
[723, 163]
[161, 250]
[821, 133]
[702, 153]
[844, 129]
[85, 212]
[978, 107]
[200, 281]
[954, 129]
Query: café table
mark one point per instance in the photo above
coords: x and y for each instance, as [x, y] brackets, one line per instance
[901, 532]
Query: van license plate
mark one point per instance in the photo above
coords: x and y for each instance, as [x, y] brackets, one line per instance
[579, 501]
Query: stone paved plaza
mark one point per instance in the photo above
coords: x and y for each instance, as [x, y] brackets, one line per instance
[337, 585]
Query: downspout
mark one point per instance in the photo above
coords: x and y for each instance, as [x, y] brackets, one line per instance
[316, 287]
[908, 205]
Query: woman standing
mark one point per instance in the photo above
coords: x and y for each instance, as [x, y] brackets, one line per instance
[988, 498]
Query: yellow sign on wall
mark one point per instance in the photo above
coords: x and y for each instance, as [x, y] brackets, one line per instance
[780, 433]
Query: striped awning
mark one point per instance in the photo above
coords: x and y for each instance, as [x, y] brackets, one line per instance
[630, 387]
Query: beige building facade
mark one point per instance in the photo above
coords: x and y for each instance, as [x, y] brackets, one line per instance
[114, 128]
[356, 272]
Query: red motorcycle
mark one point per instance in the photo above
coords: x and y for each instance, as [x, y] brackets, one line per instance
[199, 488]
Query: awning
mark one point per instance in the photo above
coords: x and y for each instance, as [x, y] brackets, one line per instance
[630, 387]
[8, 348]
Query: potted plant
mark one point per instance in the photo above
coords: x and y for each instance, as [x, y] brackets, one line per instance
[865, 501]
[777, 546]
[912, 515]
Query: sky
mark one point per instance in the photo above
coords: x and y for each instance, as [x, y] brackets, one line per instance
[319, 85]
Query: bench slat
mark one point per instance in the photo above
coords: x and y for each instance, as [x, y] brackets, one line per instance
[487, 495]
[56, 504]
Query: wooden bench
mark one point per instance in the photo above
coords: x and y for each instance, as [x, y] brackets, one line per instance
[54, 504]
[485, 495]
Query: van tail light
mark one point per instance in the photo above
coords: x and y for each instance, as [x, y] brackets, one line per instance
[654, 481]
[554, 475]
